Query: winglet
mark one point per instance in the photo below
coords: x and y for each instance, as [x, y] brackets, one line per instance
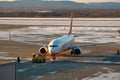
[70, 31]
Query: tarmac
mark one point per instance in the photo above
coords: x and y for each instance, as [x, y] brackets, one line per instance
[30, 71]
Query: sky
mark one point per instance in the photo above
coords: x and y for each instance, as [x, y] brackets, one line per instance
[84, 1]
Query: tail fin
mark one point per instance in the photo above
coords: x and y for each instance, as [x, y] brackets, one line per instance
[70, 31]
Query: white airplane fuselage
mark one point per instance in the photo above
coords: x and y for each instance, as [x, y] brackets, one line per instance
[60, 44]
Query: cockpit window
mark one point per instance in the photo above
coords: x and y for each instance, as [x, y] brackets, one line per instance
[53, 45]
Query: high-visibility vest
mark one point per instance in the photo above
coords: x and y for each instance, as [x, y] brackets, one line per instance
[33, 53]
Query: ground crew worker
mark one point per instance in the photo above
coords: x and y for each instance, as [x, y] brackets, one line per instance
[43, 58]
[118, 52]
[39, 55]
[33, 55]
[54, 58]
[18, 59]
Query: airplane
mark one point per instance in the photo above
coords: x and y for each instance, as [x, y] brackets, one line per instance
[65, 42]
[61, 44]
[56, 46]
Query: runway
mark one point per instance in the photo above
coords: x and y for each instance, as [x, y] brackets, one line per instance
[61, 21]
[28, 70]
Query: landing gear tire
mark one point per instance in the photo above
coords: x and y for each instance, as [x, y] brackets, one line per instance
[71, 53]
[54, 58]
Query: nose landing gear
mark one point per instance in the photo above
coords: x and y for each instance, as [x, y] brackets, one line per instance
[53, 57]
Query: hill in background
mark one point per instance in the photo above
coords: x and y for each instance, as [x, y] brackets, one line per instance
[40, 8]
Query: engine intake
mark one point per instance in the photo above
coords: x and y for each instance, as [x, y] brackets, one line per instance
[76, 51]
[43, 50]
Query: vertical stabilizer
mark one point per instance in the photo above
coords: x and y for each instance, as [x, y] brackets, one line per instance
[70, 31]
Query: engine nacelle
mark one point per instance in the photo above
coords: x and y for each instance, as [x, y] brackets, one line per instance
[76, 51]
[43, 50]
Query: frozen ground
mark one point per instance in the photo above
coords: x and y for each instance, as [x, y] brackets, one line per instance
[84, 34]
[98, 30]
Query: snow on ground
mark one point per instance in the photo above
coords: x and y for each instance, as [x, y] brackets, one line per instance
[96, 31]
[7, 58]
[110, 75]
[38, 77]
[3, 56]
[84, 34]
[105, 76]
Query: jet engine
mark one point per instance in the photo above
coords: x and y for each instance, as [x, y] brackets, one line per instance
[76, 51]
[43, 50]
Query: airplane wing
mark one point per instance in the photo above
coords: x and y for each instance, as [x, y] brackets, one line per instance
[32, 43]
[87, 45]
[70, 47]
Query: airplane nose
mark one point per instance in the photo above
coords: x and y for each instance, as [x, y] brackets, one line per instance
[52, 50]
